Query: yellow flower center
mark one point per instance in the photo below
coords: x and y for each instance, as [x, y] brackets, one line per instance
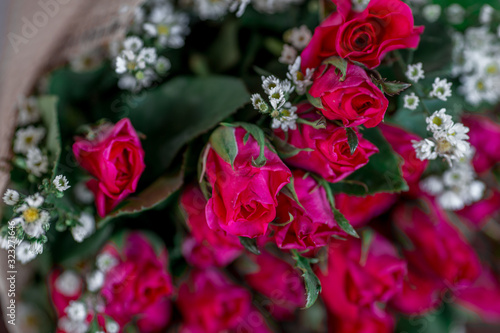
[480, 85]
[131, 65]
[163, 29]
[438, 121]
[31, 215]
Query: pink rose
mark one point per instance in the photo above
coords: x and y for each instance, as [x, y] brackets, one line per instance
[485, 137]
[280, 283]
[115, 158]
[330, 156]
[210, 303]
[355, 101]
[312, 225]
[353, 284]
[366, 37]
[369, 321]
[436, 248]
[479, 213]
[243, 201]
[205, 247]
[361, 210]
[139, 285]
[413, 167]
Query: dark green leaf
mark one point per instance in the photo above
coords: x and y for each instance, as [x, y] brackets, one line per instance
[352, 139]
[343, 223]
[48, 110]
[339, 63]
[394, 87]
[223, 141]
[289, 190]
[312, 283]
[286, 150]
[316, 102]
[258, 135]
[250, 244]
[381, 174]
[366, 241]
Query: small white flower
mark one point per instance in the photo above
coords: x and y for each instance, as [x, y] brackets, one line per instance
[128, 61]
[61, 183]
[431, 13]
[360, 5]
[68, 283]
[486, 14]
[85, 228]
[95, 280]
[269, 83]
[450, 200]
[288, 55]
[299, 37]
[36, 247]
[259, 104]
[33, 219]
[439, 121]
[432, 185]
[476, 191]
[162, 65]
[415, 72]
[441, 89]
[287, 118]
[36, 162]
[83, 194]
[28, 138]
[455, 13]
[28, 111]
[411, 101]
[424, 149]
[112, 327]
[23, 252]
[167, 26]
[76, 311]
[105, 262]
[148, 54]
[133, 43]
[67, 325]
[11, 197]
[301, 81]
[211, 10]
[277, 97]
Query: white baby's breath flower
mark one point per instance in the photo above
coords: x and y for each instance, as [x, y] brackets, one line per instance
[105, 262]
[439, 121]
[411, 101]
[269, 83]
[277, 98]
[36, 247]
[486, 14]
[431, 13]
[441, 89]
[133, 43]
[162, 65]
[68, 283]
[432, 185]
[211, 10]
[288, 55]
[301, 81]
[455, 13]
[61, 183]
[112, 326]
[167, 26]
[28, 110]
[424, 149]
[36, 162]
[33, 219]
[85, 228]
[95, 280]
[28, 138]
[287, 118]
[24, 253]
[415, 72]
[148, 54]
[76, 311]
[450, 200]
[299, 37]
[11, 197]
[67, 325]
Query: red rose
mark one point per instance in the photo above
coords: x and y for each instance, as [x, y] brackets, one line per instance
[243, 201]
[484, 136]
[116, 158]
[365, 37]
[413, 167]
[205, 247]
[361, 210]
[330, 156]
[312, 225]
[356, 100]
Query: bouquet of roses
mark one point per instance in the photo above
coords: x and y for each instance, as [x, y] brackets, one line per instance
[264, 166]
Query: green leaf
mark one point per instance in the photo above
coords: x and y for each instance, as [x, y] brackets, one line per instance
[312, 283]
[392, 88]
[152, 196]
[339, 63]
[258, 135]
[223, 141]
[366, 241]
[250, 244]
[344, 223]
[48, 110]
[315, 101]
[381, 174]
[286, 150]
[352, 139]
[180, 110]
[289, 190]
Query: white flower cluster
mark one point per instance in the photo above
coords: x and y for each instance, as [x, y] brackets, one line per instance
[273, 6]
[449, 139]
[476, 62]
[214, 10]
[299, 80]
[167, 26]
[299, 38]
[457, 187]
[281, 110]
[441, 89]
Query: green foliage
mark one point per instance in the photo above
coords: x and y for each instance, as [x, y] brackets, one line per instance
[223, 141]
[311, 281]
[250, 244]
[48, 110]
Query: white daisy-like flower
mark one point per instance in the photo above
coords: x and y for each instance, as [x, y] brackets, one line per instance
[105, 262]
[432, 185]
[288, 55]
[85, 228]
[439, 121]
[61, 183]
[133, 43]
[287, 118]
[148, 54]
[441, 89]
[28, 138]
[112, 326]
[299, 37]
[455, 13]
[415, 72]
[128, 61]
[95, 280]
[33, 219]
[431, 13]
[68, 283]
[259, 104]
[475, 191]
[24, 253]
[162, 65]
[76, 311]
[36, 162]
[4, 242]
[169, 27]
[301, 81]
[424, 149]
[128, 82]
[29, 112]
[411, 101]
[11, 197]
[36, 247]
[277, 97]
[486, 14]
[269, 83]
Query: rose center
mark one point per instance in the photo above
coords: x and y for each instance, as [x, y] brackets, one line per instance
[31, 215]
